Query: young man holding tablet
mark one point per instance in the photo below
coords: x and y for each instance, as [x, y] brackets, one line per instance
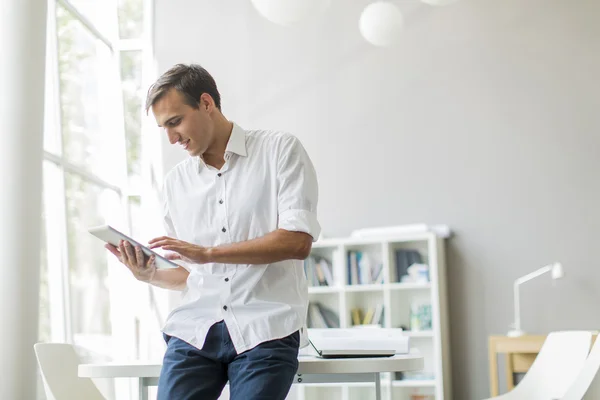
[241, 213]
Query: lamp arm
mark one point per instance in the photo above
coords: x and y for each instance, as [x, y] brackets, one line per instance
[533, 275]
[517, 299]
[518, 282]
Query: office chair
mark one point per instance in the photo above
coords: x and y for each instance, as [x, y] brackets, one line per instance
[58, 365]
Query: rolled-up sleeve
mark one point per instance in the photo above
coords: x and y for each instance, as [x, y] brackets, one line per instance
[298, 191]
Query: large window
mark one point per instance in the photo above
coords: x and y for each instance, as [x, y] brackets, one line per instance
[92, 169]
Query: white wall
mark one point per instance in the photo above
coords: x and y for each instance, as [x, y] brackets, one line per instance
[486, 116]
[23, 44]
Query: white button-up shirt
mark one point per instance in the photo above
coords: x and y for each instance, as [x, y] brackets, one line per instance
[267, 182]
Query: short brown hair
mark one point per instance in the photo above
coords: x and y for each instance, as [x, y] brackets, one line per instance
[190, 80]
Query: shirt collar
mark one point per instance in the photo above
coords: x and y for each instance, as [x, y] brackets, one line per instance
[236, 144]
[237, 141]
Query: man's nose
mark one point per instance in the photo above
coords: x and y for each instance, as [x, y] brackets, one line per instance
[173, 136]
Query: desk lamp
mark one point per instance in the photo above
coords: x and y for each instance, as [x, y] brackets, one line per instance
[556, 271]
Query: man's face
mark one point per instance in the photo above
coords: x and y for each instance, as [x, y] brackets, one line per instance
[189, 127]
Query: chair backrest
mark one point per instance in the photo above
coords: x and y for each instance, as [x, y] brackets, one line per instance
[58, 364]
[586, 376]
[556, 367]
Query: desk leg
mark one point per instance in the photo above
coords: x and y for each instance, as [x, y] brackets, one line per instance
[143, 389]
[377, 386]
[510, 380]
[493, 357]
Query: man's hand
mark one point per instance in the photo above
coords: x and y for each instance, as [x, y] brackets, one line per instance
[181, 250]
[142, 267]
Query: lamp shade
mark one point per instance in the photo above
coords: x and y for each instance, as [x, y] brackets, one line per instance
[438, 2]
[288, 12]
[557, 271]
[381, 23]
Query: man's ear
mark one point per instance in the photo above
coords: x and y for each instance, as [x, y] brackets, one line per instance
[206, 101]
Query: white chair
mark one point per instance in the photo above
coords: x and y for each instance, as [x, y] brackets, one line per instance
[583, 384]
[554, 370]
[58, 365]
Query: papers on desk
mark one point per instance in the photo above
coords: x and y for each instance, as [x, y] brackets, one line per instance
[358, 342]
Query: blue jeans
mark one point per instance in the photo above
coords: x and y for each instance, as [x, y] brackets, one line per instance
[264, 372]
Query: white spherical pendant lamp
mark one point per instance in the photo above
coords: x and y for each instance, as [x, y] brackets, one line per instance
[381, 23]
[288, 12]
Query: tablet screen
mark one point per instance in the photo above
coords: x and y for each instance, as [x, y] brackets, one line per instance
[110, 235]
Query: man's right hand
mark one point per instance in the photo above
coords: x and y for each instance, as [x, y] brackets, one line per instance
[142, 267]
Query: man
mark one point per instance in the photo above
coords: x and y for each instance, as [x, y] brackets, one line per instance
[240, 213]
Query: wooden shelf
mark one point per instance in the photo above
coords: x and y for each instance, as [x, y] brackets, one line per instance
[375, 287]
[323, 289]
[409, 286]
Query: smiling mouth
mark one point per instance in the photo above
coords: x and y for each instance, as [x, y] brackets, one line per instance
[185, 144]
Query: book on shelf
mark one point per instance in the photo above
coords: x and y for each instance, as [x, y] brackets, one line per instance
[356, 314]
[318, 271]
[420, 316]
[378, 315]
[372, 316]
[368, 316]
[320, 316]
[362, 269]
[410, 267]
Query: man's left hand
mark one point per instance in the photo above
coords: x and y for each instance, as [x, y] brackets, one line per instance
[181, 250]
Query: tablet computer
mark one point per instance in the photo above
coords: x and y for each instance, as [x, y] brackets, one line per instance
[110, 235]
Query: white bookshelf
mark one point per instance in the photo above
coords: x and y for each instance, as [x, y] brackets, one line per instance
[396, 298]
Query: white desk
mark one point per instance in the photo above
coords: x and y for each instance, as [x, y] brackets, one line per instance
[310, 370]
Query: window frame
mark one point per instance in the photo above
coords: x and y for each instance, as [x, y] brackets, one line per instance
[56, 226]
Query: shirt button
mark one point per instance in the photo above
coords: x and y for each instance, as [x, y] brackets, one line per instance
[226, 279]
[225, 308]
[221, 201]
[224, 230]
[219, 174]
